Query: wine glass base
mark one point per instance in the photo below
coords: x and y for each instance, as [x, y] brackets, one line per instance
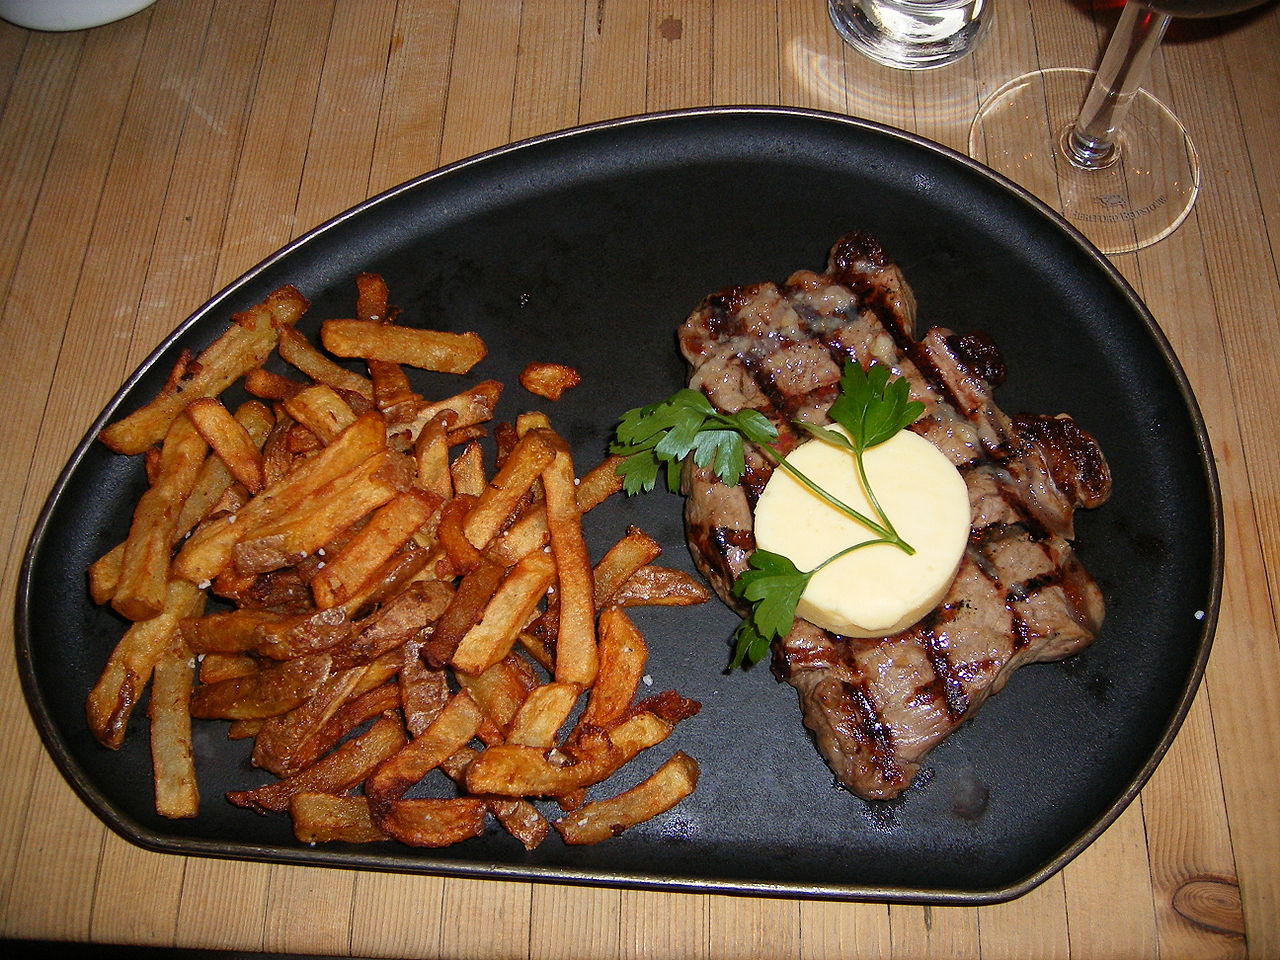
[1137, 199]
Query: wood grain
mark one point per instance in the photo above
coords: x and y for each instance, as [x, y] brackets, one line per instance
[151, 161]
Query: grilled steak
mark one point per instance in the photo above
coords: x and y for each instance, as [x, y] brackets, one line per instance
[876, 707]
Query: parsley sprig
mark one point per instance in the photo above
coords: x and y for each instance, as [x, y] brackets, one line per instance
[871, 408]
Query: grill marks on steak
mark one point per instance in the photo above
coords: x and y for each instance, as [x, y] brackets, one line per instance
[877, 707]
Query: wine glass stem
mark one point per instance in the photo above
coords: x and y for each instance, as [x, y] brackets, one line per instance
[1091, 141]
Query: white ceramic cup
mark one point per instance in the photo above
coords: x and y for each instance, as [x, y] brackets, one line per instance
[68, 14]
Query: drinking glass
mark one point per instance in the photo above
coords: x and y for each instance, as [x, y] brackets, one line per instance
[1113, 159]
[910, 34]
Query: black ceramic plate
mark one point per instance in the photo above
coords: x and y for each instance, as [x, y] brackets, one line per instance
[588, 248]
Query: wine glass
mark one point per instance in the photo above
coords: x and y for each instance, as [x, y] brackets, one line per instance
[1112, 158]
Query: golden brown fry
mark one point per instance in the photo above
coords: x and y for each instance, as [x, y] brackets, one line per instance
[432, 822]
[424, 349]
[500, 691]
[272, 690]
[518, 817]
[104, 574]
[509, 487]
[390, 384]
[602, 819]
[467, 471]
[223, 666]
[621, 561]
[279, 743]
[660, 586]
[373, 545]
[423, 689]
[297, 351]
[229, 440]
[321, 410]
[508, 610]
[267, 633]
[371, 298]
[113, 697]
[623, 654]
[469, 408]
[324, 818]
[549, 380]
[448, 733]
[213, 487]
[344, 768]
[431, 451]
[316, 519]
[465, 609]
[172, 763]
[144, 568]
[543, 713]
[576, 658]
[209, 550]
[245, 345]
[270, 386]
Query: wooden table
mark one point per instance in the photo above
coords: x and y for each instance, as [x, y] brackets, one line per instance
[151, 161]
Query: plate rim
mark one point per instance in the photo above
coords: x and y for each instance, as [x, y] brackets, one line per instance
[136, 833]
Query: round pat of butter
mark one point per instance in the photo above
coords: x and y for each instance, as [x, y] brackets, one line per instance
[876, 590]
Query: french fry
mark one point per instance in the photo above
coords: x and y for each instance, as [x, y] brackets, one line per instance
[576, 658]
[509, 609]
[623, 654]
[621, 561]
[112, 699]
[344, 768]
[326, 818]
[519, 771]
[278, 636]
[431, 451]
[432, 822]
[500, 691]
[467, 471]
[214, 482]
[549, 380]
[361, 708]
[316, 519]
[272, 690]
[602, 819]
[266, 385]
[229, 440]
[465, 609]
[209, 550]
[448, 733]
[390, 385]
[298, 352]
[424, 349]
[245, 345]
[372, 297]
[660, 586]
[172, 764]
[531, 455]
[104, 574]
[470, 407]
[144, 567]
[376, 542]
[402, 618]
[278, 744]
[543, 713]
[321, 410]
[423, 689]
[223, 666]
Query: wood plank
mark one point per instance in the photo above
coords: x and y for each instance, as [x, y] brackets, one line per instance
[1033, 925]
[927, 931]
[479, 903]
[481, 83]
[574, 923]
[740, 928]
[1110, 910]
[411, 115]
[674, 925]
[746, 62]
[845, 931]
[208, 886]
[382, 915]
[308, 910]
[548, 84]
[680, 36]
[615, 56]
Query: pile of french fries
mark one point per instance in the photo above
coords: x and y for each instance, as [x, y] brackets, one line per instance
[333, 571]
